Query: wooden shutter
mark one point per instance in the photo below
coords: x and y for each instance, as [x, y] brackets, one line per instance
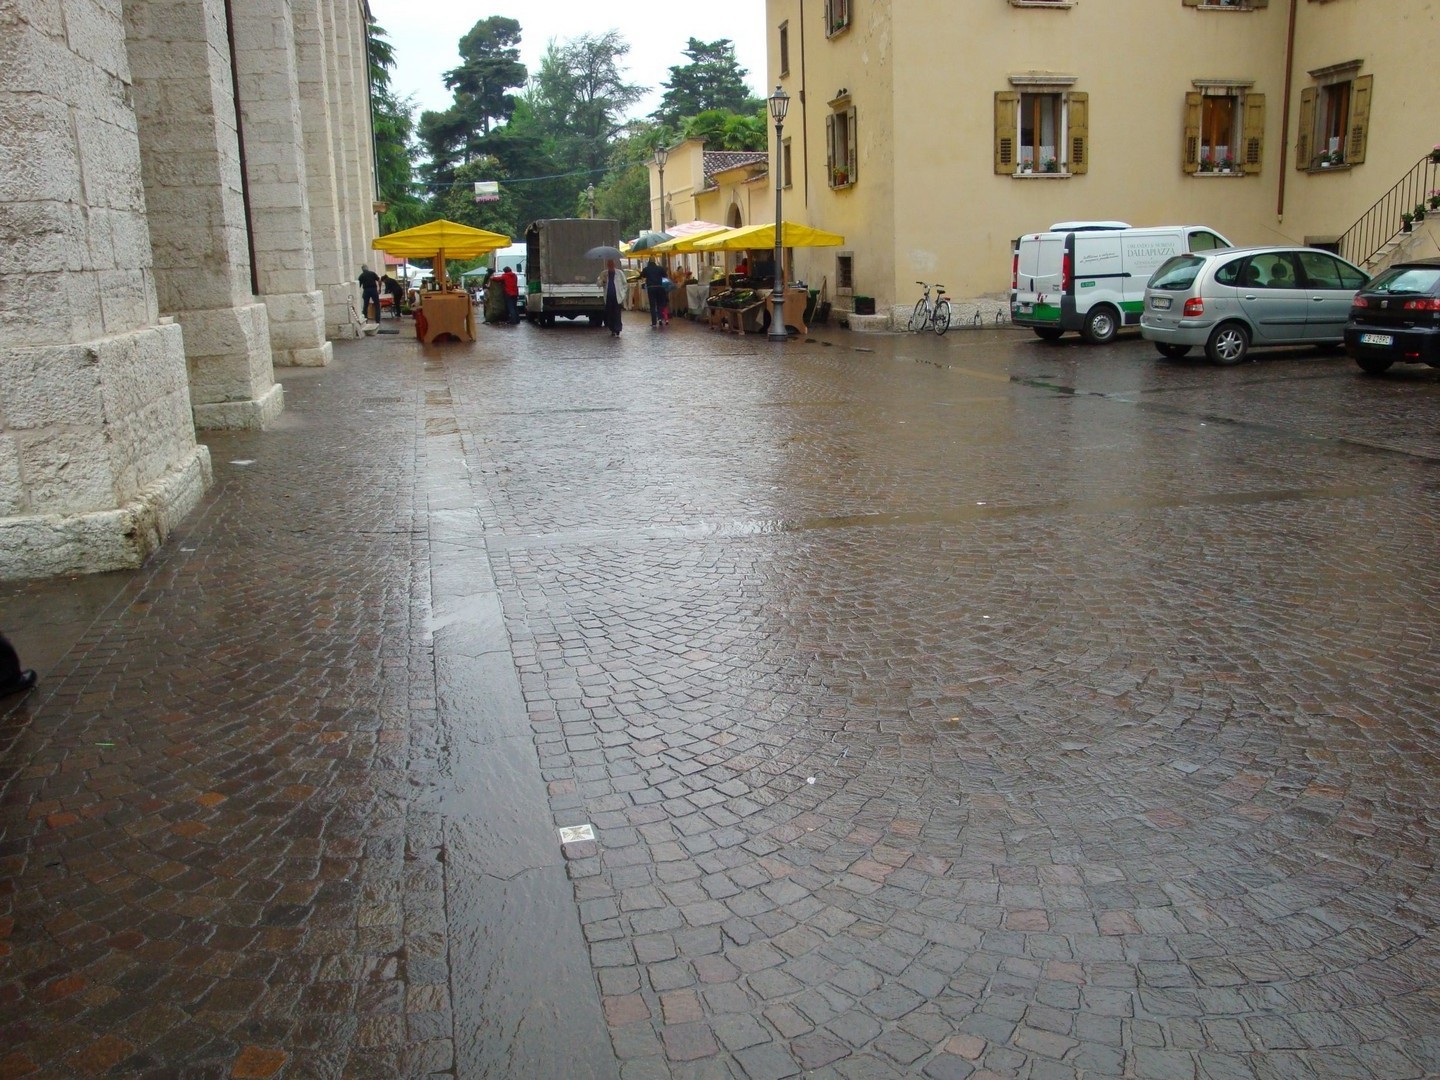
[1359, 119]
[1252, 139]
[852, 144]
[830, 149]
[1007, 104]
[1194, 107]
[1304, 144]
[1078, 121]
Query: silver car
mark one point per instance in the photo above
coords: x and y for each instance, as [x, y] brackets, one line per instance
[1232, 298]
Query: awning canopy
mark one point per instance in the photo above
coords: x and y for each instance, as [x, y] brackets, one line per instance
[760, 237]
[440, 239]
[685, 245]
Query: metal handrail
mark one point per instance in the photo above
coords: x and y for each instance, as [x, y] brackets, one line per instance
[1381, 223]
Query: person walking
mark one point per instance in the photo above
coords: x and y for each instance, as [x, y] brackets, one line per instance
[612, 280]
[369, 291]
[656, 288]
[13, 678]
[511, 285]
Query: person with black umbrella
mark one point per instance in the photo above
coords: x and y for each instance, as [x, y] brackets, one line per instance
[612, 280]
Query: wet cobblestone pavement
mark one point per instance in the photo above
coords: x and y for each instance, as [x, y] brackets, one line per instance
[950, 708]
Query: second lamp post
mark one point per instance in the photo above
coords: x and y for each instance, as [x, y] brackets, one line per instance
[779, 106]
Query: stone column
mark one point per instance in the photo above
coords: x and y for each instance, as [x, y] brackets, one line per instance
[190, 153]
[333, 274]
[275, 170]
[98, 459]
[341, 79]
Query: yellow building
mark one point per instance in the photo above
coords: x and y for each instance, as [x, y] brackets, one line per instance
[931, 134]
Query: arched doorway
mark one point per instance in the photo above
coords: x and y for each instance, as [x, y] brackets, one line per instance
[732, 219]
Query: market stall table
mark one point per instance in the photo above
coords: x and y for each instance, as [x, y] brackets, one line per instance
[794, 309]
[447, 313]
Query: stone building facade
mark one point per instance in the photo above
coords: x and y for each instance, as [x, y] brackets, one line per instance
[186, 195]
[931, 140]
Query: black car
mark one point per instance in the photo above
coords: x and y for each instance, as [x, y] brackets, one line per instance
[1396, 318]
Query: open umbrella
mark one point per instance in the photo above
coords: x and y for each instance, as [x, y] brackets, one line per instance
[605, 251]
[439, 240]
[691, 228]
[647, 240]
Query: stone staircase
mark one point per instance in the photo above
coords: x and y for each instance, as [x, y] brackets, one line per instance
[1422, 243]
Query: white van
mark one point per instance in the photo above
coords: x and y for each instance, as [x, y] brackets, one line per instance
[515, 256]
[1090, 276]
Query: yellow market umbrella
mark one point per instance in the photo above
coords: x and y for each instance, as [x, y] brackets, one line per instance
[685, 245]
[759, 237]
[440, 240]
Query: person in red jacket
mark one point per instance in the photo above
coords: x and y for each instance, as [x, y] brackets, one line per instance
[512, 294]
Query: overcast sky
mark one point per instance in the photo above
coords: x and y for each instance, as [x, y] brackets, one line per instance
[424, 34]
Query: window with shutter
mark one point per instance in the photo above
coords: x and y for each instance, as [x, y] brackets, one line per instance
[1305, 137]
[1044, 131]
[1006, 104]
[1224, 129]
[842, 157]
[1077, 123]
[837, 16]
[1253, 133]
[1334, 118]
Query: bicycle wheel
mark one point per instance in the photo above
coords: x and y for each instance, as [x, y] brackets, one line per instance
[942, 316]
[918, 317]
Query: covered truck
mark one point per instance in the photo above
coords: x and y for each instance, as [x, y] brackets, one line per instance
[561, 280]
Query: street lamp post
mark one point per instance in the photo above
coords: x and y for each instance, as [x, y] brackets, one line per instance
[779, 105]
[661, 156]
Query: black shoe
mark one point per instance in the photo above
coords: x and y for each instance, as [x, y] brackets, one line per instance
[22, 682]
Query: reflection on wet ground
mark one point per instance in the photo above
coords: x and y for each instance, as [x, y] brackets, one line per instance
[943, 707]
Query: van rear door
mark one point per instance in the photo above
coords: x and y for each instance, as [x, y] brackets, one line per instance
[1038, 279]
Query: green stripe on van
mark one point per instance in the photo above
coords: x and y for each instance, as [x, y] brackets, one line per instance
[1042, 314]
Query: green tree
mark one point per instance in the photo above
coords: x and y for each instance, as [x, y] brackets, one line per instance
[535, 180]
[728, 131]
[713, 79]
[447, 139]
[392, 129]
[579, 98]
[489, 69]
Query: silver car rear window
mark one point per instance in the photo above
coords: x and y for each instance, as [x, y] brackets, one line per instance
[1176, 273]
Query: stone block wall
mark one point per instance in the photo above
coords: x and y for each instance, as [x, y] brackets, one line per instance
[170, 228]
[98, 456]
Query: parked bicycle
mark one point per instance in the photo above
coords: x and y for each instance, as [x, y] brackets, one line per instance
[935, 315]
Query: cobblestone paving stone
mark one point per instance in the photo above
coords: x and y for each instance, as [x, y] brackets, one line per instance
[957, 708]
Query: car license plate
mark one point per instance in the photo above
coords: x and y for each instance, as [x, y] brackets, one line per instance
[1160, 303]
[1376, 339]
[1027, 309]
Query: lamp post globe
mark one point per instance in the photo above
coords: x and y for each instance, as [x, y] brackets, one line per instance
[779, 103]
